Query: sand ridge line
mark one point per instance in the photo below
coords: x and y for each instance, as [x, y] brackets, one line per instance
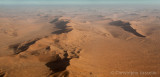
[55, 51]
[126, 26]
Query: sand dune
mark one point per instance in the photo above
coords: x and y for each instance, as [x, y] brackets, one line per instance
[53, 51]
[88, 43]
[126, 26]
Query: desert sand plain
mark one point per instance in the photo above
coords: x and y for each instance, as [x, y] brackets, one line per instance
[79, 41]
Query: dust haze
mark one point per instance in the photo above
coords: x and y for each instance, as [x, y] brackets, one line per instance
[79, 41]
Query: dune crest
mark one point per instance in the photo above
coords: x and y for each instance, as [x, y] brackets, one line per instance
[55, 51]
[127, 27]
[85, 41]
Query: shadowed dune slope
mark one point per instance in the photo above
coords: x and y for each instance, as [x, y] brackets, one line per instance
[79, 42]
[126, 26]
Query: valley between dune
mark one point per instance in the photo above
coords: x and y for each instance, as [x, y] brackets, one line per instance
[76, 46]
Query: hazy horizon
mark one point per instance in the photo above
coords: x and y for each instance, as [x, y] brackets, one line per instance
[46, 2]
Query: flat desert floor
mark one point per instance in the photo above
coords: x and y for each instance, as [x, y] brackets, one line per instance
[79, 41]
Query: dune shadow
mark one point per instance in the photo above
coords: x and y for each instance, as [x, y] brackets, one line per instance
[18, 48]
[60, 64]
[54, 20]
[2, 74]
[61, 25]
[127, 27]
